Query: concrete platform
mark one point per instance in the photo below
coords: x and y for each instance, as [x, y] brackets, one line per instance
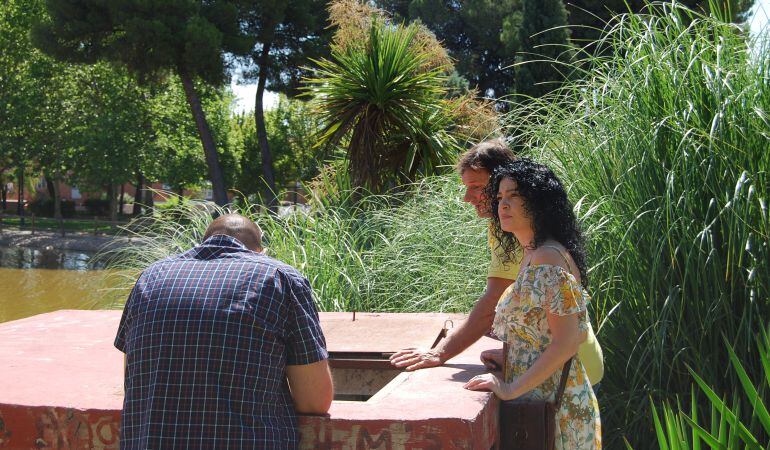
[61, 386]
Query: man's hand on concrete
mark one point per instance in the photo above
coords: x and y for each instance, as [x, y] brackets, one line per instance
[416, 358]
[492, 359]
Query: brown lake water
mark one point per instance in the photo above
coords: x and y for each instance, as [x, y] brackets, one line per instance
[38, 281]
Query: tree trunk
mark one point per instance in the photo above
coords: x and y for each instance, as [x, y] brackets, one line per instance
[20, 204]
[56, 197]
[112, 192]
[149, 198]
[122, 200]
[209, 149]
[49, 185]
[138, 194]
[4, 194]
[259, 118]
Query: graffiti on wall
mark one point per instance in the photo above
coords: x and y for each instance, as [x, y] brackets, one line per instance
[58, 428]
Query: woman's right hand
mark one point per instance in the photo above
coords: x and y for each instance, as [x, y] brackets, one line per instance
[493, 359]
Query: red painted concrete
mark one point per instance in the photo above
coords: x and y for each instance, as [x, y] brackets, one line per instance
[61, 387]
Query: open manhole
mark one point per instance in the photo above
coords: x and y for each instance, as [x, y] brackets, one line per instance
[358, 376]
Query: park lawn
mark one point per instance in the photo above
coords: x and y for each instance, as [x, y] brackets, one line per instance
[70, 225]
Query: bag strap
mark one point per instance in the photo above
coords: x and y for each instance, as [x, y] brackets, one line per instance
[562, 383]
[562, 380]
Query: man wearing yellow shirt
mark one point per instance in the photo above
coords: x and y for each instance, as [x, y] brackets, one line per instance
[475, 167]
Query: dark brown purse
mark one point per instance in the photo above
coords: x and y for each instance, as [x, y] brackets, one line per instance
[530, 424]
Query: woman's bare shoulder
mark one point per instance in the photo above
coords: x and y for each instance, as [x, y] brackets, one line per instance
[551, 254]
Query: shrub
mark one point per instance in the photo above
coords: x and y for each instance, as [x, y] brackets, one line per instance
[44, 207]
[97, 206]
[724, 426]
[381, 96]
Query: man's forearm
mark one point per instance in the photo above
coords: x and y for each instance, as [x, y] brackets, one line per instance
[457, 341]
[478, 324]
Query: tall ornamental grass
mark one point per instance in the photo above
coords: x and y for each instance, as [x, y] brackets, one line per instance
[665, 145]
[418, 250]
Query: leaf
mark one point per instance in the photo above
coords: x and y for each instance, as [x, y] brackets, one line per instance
[702, 433]
[756, 401]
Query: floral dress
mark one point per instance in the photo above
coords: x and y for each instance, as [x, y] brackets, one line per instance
[520, 320]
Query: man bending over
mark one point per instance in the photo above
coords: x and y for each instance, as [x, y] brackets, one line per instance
[223, 346]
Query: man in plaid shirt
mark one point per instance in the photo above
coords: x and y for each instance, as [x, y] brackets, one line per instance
[222, 345]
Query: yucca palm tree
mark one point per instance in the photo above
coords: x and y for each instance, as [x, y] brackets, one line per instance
[382, 99]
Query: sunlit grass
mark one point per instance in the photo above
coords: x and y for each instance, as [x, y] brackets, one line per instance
[418, 250]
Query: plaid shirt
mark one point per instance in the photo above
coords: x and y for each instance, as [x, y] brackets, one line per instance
[207, 335]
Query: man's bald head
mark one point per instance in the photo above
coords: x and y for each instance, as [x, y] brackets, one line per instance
[239, 227]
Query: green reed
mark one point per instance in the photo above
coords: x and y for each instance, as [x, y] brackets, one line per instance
[665, 146]
[420, 249]
[724, 427]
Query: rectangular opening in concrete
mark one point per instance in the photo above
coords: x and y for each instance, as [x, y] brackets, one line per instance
[358, 376]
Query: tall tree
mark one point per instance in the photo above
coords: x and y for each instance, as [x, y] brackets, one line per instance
[18, 93]
[287, 34]
[151, 39]
[481, 35]
[108, 132]
[178, 160]
[544, 41]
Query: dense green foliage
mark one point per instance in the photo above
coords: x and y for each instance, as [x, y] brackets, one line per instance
[543, 36]
[189, 39]
[291, 129]
[664, 145]
[724, 427]
[92, 125]
[589, 18]
[482, 36]
[487, 37]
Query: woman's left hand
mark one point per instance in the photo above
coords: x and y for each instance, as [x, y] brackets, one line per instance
[489, 382]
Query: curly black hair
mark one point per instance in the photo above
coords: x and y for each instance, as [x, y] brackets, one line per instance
[546, 203]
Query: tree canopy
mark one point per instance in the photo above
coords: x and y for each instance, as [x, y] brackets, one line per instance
[151, 39]
[287, 35]
[487, 37]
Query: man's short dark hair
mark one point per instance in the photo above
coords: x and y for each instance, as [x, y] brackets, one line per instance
[487, 155]
[239, 227]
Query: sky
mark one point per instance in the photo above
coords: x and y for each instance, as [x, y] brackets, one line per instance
[758, 23]
[245, 94]
[759, 17]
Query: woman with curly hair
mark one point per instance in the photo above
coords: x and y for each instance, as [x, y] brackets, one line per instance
[542, 316]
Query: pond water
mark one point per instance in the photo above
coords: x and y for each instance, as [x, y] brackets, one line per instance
[36, 258]
[34, 281]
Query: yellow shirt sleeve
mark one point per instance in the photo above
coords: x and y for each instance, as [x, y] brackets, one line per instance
[590, 354]
[497, 268]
